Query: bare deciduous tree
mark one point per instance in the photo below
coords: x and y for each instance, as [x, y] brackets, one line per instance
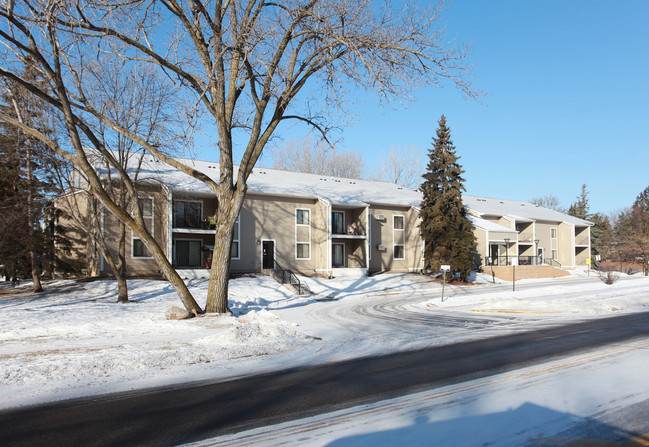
[247, 65]
[548, 201]
[403, 166]
[317, 158]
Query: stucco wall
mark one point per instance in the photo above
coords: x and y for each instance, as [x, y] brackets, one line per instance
[382, 233]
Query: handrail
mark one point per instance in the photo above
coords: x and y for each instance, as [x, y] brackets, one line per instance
[284, 276]
[552, 262]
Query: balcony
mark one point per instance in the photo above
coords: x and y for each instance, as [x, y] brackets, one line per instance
[526, 238]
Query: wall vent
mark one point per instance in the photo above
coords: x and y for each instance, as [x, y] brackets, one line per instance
[381, 248]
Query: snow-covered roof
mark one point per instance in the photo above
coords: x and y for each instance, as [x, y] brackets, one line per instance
[343, 191]
[487, 225]
[519, 211]
[338, 191]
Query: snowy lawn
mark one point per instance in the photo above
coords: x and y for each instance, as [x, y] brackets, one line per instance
[74, 340]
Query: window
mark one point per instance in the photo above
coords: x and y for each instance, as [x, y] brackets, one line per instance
[146, 207]
[302, 217]
[398, 222]
[188, 253]
[555, 254]
[553, 233]
[187, 214]
[338, 222]
[303, 250]
[338, 255]
[139, 250]
[302, 233]
[399, 237]
[234, 252]
[399, 252]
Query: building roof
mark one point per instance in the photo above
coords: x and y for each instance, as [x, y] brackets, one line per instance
[336, 190]
[518, 211]
[344, 191]
[487, 225]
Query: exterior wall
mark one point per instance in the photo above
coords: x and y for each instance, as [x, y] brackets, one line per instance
[501, 220]
[274, 218]
[382, 233]
[138, 265]
[83, 255]
[482, 243]
[543, 236]
[566, 245]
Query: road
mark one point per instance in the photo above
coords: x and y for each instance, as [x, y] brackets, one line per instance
[203, 410]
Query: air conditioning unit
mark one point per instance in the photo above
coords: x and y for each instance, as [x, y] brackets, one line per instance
[380, 217]
[381, 247]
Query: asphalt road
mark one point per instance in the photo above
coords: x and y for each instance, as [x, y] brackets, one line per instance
[202, 410]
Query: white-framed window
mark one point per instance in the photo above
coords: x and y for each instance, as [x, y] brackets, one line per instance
[555, 254]
[187, 213]
[553, 233]
[338, 256]
[302, 234]
[302, 216]
[138, 249]
[303, 250]
[399, 237]
[235, 252]
[337, 222]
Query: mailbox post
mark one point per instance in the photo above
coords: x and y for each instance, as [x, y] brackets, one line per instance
[444, 269]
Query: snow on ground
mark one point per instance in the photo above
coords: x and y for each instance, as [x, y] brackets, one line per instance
[543, 405]
[74, 340]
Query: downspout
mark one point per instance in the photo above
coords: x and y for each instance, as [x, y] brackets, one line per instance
[328, 270]
[368, 242]
[167, 191]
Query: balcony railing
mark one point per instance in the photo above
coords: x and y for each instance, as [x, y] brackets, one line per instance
[526, 238]
[513, 260]
[582, 240]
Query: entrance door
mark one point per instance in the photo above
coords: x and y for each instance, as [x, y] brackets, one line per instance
[494, 253]
[539, 255]
[338, 255]
[267, 254]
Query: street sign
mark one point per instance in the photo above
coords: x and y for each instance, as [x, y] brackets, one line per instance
[445, 268]
[587, 261]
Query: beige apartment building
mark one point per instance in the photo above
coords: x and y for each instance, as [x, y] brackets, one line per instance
[521, 233]
[305, 223]
[321, 225]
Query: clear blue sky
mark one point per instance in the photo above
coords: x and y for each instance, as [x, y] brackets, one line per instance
[567, 103]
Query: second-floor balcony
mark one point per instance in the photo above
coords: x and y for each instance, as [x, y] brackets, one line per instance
[526, 238]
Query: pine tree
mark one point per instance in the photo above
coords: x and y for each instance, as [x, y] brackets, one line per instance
[25, 185]
[601, 236]
[445, 227]
[580, 207]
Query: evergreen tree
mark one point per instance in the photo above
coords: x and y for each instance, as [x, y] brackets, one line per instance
[445, 227]
[25, 185]
[601, 236]
[580, 207]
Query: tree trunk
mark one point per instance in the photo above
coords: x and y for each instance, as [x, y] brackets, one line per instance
[122, 289]
[33, 256]
[217, 289]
